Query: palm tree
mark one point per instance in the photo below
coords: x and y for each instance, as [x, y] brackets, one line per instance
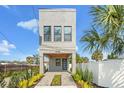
[94, 41]
[80, 59]
[97, 55]
[110, 17]
[111, 20]
[36, 59]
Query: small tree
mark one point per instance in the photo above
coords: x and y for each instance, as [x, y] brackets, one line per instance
[97, 55]
[30, 60]
[78, 58]
[81, 59]
[112, 56]
[85, 59]
[36, 59]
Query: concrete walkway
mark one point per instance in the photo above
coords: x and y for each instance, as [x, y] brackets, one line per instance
[67, 80]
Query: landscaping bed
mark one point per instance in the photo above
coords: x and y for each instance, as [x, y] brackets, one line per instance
[56, 80]
[83, 78]
[25, 79]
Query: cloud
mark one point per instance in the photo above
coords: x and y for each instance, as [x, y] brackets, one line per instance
[76, 48]
[5, 47]
[29, 25]
[6, 6]
[38, 49]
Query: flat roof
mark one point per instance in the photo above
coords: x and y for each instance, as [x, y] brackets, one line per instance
[57, 9]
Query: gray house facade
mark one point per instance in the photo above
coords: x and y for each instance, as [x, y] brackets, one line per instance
[57, 29]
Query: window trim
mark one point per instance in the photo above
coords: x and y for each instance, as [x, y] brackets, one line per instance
[56, 34]
[68, 34]
[58, 62]
[47, 34]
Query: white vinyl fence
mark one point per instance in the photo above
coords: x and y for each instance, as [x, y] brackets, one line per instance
[106, 73]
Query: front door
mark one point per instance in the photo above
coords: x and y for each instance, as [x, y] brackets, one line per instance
[64, 64]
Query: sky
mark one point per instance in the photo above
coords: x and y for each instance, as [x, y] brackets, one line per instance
[19, 36]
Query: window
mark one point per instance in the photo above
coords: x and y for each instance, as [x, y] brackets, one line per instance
[58, 62]
[57, 33]
[67, 33]
[47, 33]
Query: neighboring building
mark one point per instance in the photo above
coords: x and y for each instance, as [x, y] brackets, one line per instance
[57, 29]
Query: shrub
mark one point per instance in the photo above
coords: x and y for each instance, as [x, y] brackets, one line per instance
[25, 78]
[8, 73]
[27, 74]
[90, 77]
[77, 77]
[2, 81]
[87, 85]
[84, 75]
[30, 82]
[14, 80]
[35, 70]
[36, 77]
[80, 83]
[23, 84]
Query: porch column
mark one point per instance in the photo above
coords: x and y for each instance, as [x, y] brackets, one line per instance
[41, 63]
[68, 65]
[73, 62]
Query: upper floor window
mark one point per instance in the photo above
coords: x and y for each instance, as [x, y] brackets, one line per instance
[47, 33]
[57, 33]
[67, 33]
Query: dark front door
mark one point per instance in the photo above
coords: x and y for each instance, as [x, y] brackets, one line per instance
[64, 64]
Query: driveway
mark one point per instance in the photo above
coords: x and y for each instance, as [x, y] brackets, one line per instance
[67, 80]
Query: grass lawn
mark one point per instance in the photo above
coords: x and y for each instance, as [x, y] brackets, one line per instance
[56, 80]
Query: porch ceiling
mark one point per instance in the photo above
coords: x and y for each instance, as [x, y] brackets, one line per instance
[58, 55]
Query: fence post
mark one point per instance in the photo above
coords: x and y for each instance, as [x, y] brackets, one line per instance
[5, 69]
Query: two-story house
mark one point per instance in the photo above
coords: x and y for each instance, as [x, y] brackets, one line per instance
[57, 29]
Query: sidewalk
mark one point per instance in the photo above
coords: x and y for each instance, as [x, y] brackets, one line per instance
[67, 81]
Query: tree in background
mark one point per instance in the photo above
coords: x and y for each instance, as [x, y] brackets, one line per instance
[36, 59]
[81, 59]
[97, 55]
[94, 40]
[30, 59]
[110, 19]
[112, 56]
[96, 43]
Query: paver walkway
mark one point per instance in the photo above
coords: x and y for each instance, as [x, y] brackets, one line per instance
[67, 80]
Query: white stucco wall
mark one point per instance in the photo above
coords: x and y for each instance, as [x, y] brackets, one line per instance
[107, 73]
[58, 17]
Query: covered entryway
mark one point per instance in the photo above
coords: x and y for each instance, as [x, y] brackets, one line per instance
[58, 62]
